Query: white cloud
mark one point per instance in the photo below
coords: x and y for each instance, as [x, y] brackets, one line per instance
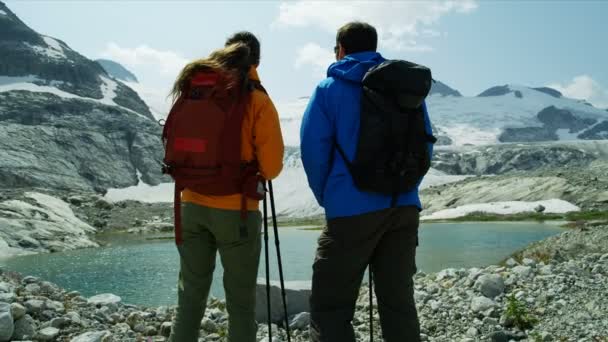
[399, 23]
[313, 54]
[584, 87]
[166, 62]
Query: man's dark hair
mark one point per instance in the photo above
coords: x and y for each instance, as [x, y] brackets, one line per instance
[357, 37]
[251, 41]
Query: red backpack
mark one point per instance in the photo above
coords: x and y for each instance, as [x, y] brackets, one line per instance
[202, 140]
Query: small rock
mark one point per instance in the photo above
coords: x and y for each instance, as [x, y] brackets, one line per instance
[522, 271]
[499, 336]
[8, 297]
[7, 327]
[29, 280]
[472, 332]
[208, 325]
[60, 322]
[24, 328]
[103, 204]
[92, 336]
[47, 334]
[165, 329]
[301, 321]
[17, 311]
[5, 287]
[539, 208]
[506, 321]
[150, 331]
[511, 262]
[34, 306]
[32, 288]
[104, 299]
[480, 304]
[54, 306]
[490, 285]
[546, 337]
[528, 262]
[134, 319]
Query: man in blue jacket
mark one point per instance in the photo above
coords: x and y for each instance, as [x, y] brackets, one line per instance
[363, 228]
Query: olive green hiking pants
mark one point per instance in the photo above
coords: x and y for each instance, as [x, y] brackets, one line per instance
[205, 231]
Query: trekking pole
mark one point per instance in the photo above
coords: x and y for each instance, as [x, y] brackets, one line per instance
[276, 241]
[371, 305]
[267, 268]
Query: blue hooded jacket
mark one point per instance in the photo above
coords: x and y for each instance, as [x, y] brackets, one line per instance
[332, 116]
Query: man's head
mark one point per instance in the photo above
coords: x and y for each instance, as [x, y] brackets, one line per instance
[251, 41]
[355, 37]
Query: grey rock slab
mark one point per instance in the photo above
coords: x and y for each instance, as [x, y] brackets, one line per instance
[104, 299]
[24, 328]
[92, 336]
[490, 285]
[47, 334]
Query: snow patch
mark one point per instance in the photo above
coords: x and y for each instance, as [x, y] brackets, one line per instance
[108, 88]
[53, 44]
[8, 83]
[142, 192]
[435, 177]
[3, 13]
[555, 206]
[292, 194]
[53, 48]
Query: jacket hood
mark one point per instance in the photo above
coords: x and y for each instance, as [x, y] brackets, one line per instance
[354, 66]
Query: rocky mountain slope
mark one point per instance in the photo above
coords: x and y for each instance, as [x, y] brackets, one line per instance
[66, 123]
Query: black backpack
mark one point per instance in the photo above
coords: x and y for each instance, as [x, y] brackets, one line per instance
[392, 154]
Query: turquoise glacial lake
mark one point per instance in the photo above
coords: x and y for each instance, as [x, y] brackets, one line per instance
[144, 272]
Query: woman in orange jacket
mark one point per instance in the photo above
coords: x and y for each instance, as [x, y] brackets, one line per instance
[214, 223]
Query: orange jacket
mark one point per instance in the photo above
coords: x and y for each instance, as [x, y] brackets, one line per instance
[261, 140]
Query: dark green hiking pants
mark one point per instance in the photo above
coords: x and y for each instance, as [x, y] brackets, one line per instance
[387, 241]
[205, 231]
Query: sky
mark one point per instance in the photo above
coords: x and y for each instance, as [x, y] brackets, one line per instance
[470, 45]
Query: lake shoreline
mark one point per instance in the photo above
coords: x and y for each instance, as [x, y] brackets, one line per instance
[453, 304]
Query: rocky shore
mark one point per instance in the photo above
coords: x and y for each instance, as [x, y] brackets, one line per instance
[532, 297]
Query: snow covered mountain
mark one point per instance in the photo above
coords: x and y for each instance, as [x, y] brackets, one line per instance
[507, 113]
[64, 121]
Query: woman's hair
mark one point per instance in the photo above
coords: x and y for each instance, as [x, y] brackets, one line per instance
[231, 61]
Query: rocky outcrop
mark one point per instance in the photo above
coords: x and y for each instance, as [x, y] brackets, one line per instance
[552, 119]
[500, 159]
[586, 187]
[297, 296]
[597, 132]
[555, 118]
[64, 122]
[37, 222]
[53, 142]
